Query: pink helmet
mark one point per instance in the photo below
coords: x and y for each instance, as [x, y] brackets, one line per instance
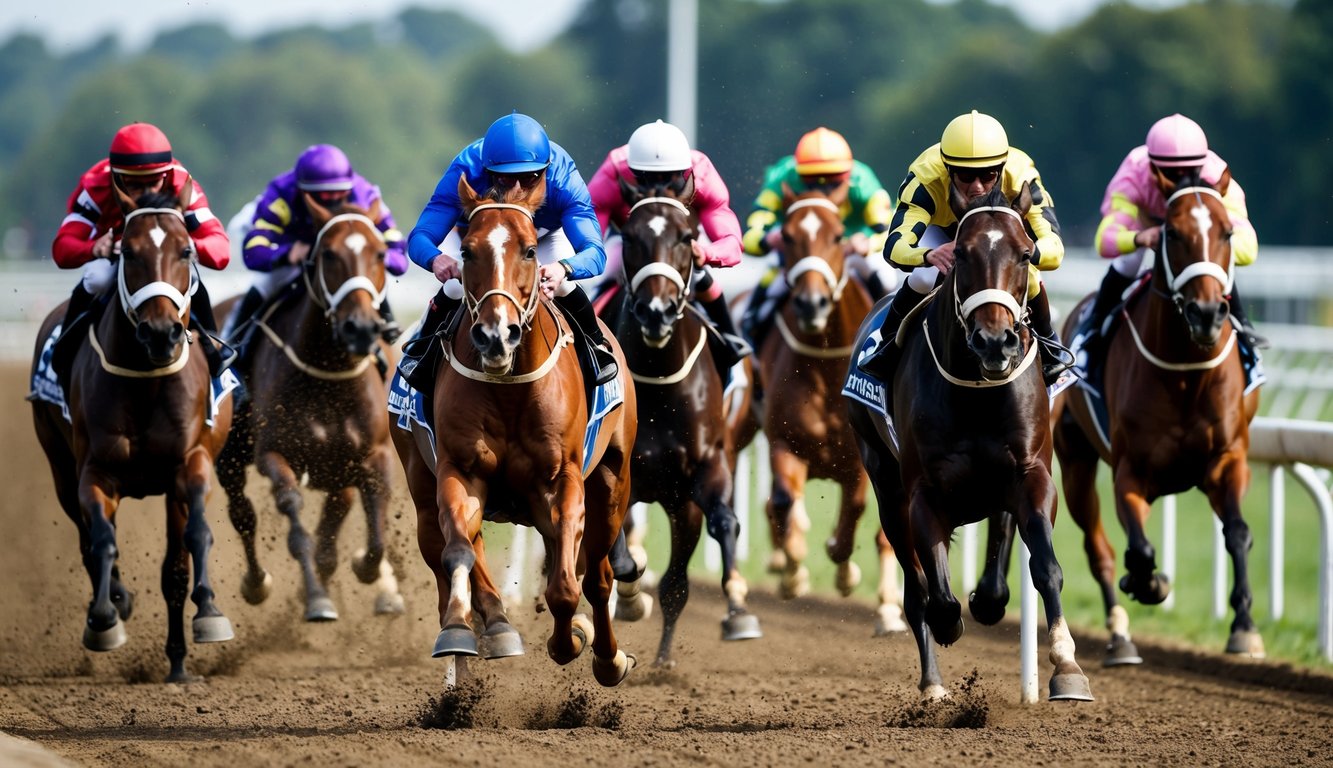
[1177, 141]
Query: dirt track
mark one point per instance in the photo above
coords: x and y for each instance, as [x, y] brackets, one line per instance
[816, 690]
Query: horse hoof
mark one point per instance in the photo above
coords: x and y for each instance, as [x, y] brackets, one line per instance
[609, 672]
[741, 626]
[500, 641]
[849, 576]
[796, 584]
[320, 609]
[934, 692]
[635, 608]
[889, 620]
[212, 629]
[583, 633]
[256, 592]
[777, 561]
[389, 604]
[1246, 643]
[1121, 652]
[124, 603]
[1152, 592]
[945, 620]
[1071, 686]
[455, 641]
[108, 639]
[986, 609]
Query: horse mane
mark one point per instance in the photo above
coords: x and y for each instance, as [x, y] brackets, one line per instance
[994, 198]
[157, 200]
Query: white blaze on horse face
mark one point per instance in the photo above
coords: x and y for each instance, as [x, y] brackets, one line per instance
[1205, 222]
[658, 225]
[355, 242]
[158, 235]
[497, 239]
[995, 236]
[811, 225]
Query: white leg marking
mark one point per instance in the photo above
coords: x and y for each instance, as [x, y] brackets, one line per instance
[1118, 621]
[1062, 643]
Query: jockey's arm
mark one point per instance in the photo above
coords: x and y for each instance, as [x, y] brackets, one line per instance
[1118, 231]
[1244, 240]
[209, 235]
[580, 225]
[437, 219]
[267, 244]
[1050, 249]
[719, 222]
[909, 222]
[604, 191]
[74, 241]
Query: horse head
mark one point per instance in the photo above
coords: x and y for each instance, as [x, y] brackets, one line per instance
[990, 276]
[1196, 243]
[155, 271]
[500, 270]
[344, 272]
[812, 232]
[658, 255]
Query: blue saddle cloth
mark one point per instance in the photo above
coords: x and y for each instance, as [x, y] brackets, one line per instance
[861, 386]
[46, 388]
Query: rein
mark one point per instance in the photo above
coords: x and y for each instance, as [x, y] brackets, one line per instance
[331, 300]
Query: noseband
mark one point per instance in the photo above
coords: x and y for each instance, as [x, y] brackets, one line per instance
[657, 268]
[525, 312]
[130, 302]
[355, 283]
[836, 283]
[1199, 268]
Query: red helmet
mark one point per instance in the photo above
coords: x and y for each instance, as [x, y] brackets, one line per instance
[141, 149]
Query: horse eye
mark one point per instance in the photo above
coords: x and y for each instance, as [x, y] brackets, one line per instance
[381, 254]
[187, 253]
[465, 254]
[786, 236]
[531, 253]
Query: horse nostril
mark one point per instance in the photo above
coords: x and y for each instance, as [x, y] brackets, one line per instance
[177, 331]
[349, 328]
[515, 334]
[479, 339]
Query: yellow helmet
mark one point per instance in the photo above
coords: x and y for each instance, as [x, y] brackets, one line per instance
[823, 152]
[974, 140]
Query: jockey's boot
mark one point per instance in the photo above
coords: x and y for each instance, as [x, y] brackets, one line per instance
[71, 334]
[727, 347]
[1088, 336]
[876, 287]
[391, 330]
[579, 308]
[201, 313]
[758, 317]
[421, 353]
[1055, 360]
[1248, 334]
[883, 360]
[239, 330]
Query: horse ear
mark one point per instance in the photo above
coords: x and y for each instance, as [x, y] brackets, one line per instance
[838, 195]
[186, 196]
[629, 191]
[318, 213]
[125, 201]
[1224, 182]
[688, 190]
[1167, 186]
[373, 212]
[533, 199]
[957, 201]
[467, 196]
[787, 195]
[1023, 202]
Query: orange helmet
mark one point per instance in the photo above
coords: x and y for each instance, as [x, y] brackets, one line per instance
[823, 152]
[141, 149]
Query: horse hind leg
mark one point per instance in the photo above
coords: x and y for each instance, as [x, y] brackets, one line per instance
[889, 612]
[607, 500]
[209, 625]
[499, 639]
[989, 600]
[257, 583]
[787, 515]
[369, 564]
[673, 590]
[840, 545]
[287, 496]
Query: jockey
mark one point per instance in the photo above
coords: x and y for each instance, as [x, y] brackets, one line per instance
[282, 232]
[658, 154]
[140, 162]
[973, 155]
[1134, 206]
[823, 160]
[515, 150]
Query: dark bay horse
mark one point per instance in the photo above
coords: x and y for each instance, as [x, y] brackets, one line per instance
[1178, 416]
[804, 416]
[139, 407]
[683, 455]
[511, 407]
[973, 437]
[317, 409]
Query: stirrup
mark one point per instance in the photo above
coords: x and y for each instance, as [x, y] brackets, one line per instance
[606, 366]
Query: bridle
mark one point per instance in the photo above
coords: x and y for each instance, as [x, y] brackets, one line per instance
[1175, 282]
[527, 311]
[130, 302]
[324, 297]
[657, 268]
[836, 283]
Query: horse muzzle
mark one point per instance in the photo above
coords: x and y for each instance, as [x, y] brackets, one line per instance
[997, 351]
[1205, 321]
[657, 320]
[161, 339]
[496, 346]
[358, 335]
[812, 310]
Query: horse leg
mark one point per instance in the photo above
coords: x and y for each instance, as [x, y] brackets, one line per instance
[175, 585]
[607, 497]
[889, 612]
[104, 630]
[1141, 580]
[257, 583]
[840, 545]
[988, 601]
[673, 590]
[712, 495]
[209, 625]
[459, 522]
[1225, 497]
[930, 538]
[786, 512]
[287, 495]
[336, 507]
[1035, 517]
[369, 564]
[632, 603]
[931, 684]
[499, 639]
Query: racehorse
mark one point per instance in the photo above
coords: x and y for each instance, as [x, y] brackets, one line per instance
[683, 455]
[316, 408]
[801, 372]
[1178, 415]
[512, 409]
[140, 425]
[973, 438]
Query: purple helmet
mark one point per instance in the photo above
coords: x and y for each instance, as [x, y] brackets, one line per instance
[323, 168]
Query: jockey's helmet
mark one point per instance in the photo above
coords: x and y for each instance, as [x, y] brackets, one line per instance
[323, 168]
[515, 144]
[823, 152]
[659, 147]
[974, 140]
[141, 149]
[1176, 141]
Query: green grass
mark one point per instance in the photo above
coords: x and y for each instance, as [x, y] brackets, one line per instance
[1292, 639]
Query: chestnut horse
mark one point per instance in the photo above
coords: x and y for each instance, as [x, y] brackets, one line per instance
[317, 409]
[801, 372]
[684, 455]
[973, 436]
[511, 407]
[1178, 412]
[139, 425]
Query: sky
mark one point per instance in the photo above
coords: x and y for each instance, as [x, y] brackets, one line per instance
[69, 25]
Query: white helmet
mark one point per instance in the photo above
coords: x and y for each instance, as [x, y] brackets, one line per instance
[659, 146]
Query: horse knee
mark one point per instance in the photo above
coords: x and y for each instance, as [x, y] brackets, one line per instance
[782, 499]
[723, 525]
[1238, 538]
[453, 558]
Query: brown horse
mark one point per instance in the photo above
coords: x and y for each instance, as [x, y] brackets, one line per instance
[973, 439]
[684, 455]
[317, 408]
[139, 425]
[512, 411]
[801, 372]
[1178, 412]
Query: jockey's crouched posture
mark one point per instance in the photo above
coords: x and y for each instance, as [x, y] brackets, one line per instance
[515, 150]
[140, 162]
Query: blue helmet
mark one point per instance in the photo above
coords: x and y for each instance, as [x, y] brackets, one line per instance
[515, 144]
[323, 168]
